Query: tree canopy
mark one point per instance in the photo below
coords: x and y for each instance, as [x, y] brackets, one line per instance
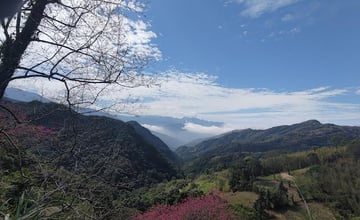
[85, 46]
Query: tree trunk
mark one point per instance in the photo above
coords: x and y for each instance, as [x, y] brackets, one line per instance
[12, 50]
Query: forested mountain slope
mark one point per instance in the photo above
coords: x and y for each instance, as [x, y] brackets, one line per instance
[97, 145]
[289, 137]
[150, 138]
[56, 162]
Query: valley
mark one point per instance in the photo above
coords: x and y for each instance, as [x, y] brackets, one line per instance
[179, 110]
[59, 164]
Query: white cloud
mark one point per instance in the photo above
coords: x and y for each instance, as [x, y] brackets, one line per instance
[210, 130]
[155, 128]
[292, 31]
[99, 46]
[198, 95]
[288, 17]
[295, 30]
[256, 8]
[358, 92]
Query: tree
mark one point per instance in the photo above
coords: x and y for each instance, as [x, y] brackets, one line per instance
[353, 149]
[86, 46]
[279, 197]
[243, 175]
[261, 204]
[208, 207]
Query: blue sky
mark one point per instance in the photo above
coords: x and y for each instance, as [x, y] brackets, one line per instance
[299, 45]
[245, 63]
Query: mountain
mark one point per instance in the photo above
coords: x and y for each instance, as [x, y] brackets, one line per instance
[172, 131]
[23, 96]
[156, 142]
[288, 138]
[172, 142]
[110, 149]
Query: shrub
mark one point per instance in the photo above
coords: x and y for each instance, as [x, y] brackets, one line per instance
[204, 208]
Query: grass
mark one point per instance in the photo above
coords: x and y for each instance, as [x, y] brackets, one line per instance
[321, 212]
[294, 213]
[318, 211]
[299, 172]
[278, 176]
[243, 202]
[217, 180]
[246, 199]
[271, 177]
[265, 184]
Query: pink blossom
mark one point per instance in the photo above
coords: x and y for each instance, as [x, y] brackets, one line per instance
[208, 207]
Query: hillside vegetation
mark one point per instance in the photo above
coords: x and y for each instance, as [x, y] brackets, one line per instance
[295, 137]
[58, 164]
[60, 160]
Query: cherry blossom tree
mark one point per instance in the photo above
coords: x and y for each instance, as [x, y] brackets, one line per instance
[88, 47]
[208, 207]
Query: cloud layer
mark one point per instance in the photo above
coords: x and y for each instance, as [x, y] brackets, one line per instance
[255, 8]
[208, 130]
[198, 95]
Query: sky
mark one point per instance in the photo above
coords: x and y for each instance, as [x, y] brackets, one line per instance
[279, 51]
[250, 63]
[274, 44]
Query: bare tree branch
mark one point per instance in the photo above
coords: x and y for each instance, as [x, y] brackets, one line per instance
[10, 140]
[13, 115]
[83, 42]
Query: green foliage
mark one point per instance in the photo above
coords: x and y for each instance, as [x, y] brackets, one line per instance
[95, 167]
[209, 164]
[210, 181]
[156, 142]
[337, 184]
[167, 193]
[295, 137]
[8, 157]
[292, 161]
[243, 212]
[242, 204]
[85, 169]
[58, 194]
[244, 174]
[278, 196]
[353, 149]
[261, 204]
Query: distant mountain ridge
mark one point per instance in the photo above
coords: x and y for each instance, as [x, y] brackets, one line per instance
[169, 129]
[287, 137]
[24, 96]
[170, 141]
